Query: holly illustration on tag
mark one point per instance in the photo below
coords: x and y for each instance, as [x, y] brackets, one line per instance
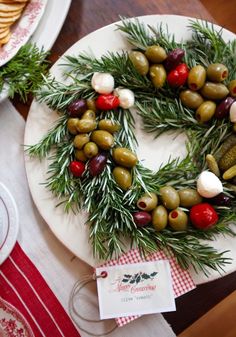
[138, 277]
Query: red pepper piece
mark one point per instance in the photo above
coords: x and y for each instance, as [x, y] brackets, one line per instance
[203, 216]
[178, 76]
[107, 102]
[77, 168]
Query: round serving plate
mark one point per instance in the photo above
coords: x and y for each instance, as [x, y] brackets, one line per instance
[69, 228]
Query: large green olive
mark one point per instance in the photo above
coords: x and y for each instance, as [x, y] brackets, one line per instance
[214, 91]
[158, 75]
[103, 139]
[122, 177]
[89, 114]
[147, 202]
[178, 220]
[155, 54]
[108, 125]
[159, 217]
[205, 111]
[124, 157]
[196, 77]
[90, 149]
[232, 88]
[169, 197]
[191, 99]
[140, 62]
[80, 155]
[80, 140]
[86, 125]
[189, 197]
[71, 125]
[217, 72]
[91, 104]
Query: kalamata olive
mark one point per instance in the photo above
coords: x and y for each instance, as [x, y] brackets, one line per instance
[222, 109]
[140, 62]
[214, 91]
[159, 217]
[196, 77]
[169, 197]
[157, 74]
[217, 72]
[80, 155]
[147, 202]
[89, 114]
[189, 197]
[142, 218]
[108, 125]
[205, 111]
[90, 149]
[122, 177]
[103, 139]
[81, 140]
[178, 220]
[97, 164]
[124, 157]
[173, 59]
[71, 125]
[220, 200]
[86, 125]
[91, 104]
[155, 54]
[77, 107]
[232, 88]
[191, 99]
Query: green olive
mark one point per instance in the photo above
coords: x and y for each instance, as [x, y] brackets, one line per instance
[158, 75]
[159, 218]
[80, 155]
[80, 140]
[178, 220]
[196, 77]
[140, 62]
[122, 177]
[155, 54]
[86, 125]
[71, 125]
[169, 197]
[91, 104]
[214, 91]
[108, 125]
[90, 149]
[232, 88]
[103, 139]
[191, 99]
[147, 202]
[189, 197]
[124, 157]
[205, 111]
[89, 114]
[217, 72]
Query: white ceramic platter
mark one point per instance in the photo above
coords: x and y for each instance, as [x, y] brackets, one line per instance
[23, 29]
[70, 228]
[9, 222]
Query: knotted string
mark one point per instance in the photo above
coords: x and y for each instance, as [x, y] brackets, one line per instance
[78, 286]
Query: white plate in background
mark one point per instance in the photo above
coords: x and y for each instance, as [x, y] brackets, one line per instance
[70, 228]
[9, 222]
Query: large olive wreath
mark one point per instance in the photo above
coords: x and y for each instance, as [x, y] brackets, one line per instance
[116, 199]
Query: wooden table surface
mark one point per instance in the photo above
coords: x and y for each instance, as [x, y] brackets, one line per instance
[84, 17]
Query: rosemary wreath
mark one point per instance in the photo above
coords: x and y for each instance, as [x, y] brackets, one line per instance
[110, 208]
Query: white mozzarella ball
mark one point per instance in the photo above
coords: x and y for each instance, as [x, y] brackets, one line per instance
[209, 185]
[232, 112]
[103, 83]
[126, 97]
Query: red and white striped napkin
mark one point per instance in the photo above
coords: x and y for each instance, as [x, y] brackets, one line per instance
[181, 279]
[24, 288]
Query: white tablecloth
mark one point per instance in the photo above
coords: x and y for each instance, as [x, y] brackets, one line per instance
[57, 265]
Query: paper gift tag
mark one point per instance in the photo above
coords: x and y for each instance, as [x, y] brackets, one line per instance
[135, 289]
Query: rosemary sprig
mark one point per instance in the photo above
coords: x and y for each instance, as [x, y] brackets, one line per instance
[24, 73]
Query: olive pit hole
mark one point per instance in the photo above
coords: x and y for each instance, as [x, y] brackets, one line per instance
[142, 204]
[174, 214]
